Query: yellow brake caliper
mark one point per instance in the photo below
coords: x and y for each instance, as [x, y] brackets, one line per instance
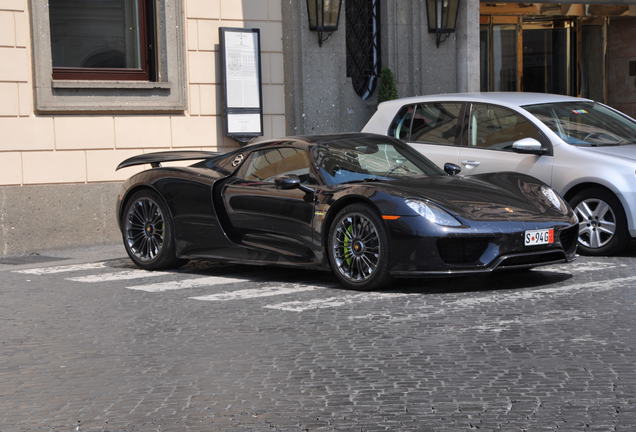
[348, 255]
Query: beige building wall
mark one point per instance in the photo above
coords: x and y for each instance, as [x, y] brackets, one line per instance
[53, 149]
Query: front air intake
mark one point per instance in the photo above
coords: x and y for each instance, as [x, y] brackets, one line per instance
[461, 250]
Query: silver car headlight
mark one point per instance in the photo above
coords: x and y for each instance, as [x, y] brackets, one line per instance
[433, 213]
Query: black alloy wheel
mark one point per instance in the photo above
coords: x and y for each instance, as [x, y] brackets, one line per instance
[147, 231]
[358, 248]
[602, 222]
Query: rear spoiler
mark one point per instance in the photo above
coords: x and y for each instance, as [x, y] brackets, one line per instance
[155, 159]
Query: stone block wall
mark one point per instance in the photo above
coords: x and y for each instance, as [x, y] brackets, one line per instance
[44, 156]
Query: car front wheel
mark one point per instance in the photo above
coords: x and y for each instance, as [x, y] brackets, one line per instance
[602, 222]
[358, 248]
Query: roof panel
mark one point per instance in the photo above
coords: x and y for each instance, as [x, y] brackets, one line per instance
[502, 98]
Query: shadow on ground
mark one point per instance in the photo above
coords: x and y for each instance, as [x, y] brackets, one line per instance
[503, 280]
[630, 251]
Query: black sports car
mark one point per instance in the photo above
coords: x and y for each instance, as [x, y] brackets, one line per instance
[367, 206]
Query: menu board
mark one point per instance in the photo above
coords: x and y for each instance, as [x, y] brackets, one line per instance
[241, 74]
[240, 123]
[243, 87]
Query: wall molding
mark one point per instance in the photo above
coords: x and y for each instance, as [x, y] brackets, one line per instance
[168, 94]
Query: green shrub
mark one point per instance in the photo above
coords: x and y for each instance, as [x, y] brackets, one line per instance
[387, 90]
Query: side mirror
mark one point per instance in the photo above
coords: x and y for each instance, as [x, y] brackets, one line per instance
[289, 181]
[528, 145]
[452, 169]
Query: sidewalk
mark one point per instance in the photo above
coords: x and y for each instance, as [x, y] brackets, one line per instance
[51, 257]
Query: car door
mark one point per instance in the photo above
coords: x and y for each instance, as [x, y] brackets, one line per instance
[491, 130]
[264, 216]
[431, 128]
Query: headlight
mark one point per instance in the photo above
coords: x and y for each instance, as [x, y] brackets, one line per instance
[433, 213]
[554, 199]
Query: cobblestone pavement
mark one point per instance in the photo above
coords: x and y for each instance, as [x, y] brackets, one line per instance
[100, 346]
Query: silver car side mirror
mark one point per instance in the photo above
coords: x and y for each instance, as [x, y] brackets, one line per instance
[528, 145]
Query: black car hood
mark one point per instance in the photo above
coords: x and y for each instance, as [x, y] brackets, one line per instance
[491, 196]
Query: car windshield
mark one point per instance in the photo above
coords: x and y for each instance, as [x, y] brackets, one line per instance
[361, 159]
[586, 123]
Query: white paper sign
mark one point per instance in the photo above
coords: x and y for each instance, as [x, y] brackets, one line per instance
[243, 123]
[241, 70]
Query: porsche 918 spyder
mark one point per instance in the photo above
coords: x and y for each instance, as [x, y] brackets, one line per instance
[366, 206]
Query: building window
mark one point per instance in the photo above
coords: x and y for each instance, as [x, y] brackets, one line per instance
[109, 56]
[100, 39]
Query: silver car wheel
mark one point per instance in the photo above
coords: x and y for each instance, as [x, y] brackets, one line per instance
[144, 228]
[597, 223]
[356, 247]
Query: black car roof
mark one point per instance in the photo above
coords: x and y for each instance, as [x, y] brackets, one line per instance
[328, 139]
[323, 140]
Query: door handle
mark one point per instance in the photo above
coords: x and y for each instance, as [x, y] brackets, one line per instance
[471, 163]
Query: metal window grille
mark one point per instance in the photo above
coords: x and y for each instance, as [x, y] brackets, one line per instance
[363, 45]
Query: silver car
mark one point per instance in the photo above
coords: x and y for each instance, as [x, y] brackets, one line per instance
[585, 150]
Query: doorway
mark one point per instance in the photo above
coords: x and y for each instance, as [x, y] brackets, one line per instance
[549, 56]
[576, 49]
[528, 54]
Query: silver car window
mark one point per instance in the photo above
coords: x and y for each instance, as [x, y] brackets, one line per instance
[400, 127]
[497, 128]
[586, 123]
[436, 123]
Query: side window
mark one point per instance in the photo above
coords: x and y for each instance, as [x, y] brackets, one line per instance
[436, 123]
[496, 128]
[264, 165]
[401, 125]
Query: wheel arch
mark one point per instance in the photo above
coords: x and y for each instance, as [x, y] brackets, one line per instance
[575, 189]
[336, 207]
[130, 192]
[620, 199]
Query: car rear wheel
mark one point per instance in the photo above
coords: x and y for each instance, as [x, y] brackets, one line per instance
[358, 248]
[147, 231]
[602, 222]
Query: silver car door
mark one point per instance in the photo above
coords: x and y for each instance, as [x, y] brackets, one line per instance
[491, 131]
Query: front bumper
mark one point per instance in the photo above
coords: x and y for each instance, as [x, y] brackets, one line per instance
[504, 262]
[419, 249]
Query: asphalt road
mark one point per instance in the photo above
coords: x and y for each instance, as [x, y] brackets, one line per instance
[91, 344]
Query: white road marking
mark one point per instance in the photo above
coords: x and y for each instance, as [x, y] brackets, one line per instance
[501, 297]
[257, 292]
[589, 339]
[582, 266]
[62, 269]
[538, 294]
[186, 283]
[117, 276]
[331, 302]
[498, 326]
